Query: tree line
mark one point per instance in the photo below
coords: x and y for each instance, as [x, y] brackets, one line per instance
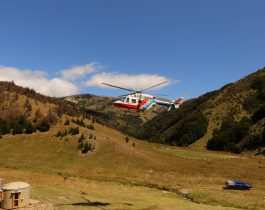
[20, 125]
[237, 136]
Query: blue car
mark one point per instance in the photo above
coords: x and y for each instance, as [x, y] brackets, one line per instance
[237, 185]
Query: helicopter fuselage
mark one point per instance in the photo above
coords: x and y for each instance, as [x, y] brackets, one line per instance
[142, 102]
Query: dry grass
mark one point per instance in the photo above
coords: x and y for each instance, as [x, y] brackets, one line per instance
[128, 177]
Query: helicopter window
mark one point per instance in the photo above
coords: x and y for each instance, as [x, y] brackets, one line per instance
[127, 100]
[134, 101]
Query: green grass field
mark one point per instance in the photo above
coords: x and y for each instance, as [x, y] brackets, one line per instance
[118, 175]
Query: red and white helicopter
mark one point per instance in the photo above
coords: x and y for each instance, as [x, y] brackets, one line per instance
[140, 101]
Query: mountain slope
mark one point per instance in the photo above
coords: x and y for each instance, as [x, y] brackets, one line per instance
[241, 104]
[101, 109]
[136, 172]
[22, 110]
[123, 172]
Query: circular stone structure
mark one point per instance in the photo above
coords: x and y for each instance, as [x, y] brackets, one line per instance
[15, 195]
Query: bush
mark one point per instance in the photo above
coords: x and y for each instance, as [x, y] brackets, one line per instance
[252, 142]
[91, 127]
[259, 114]
[17, 129]
[61, 133]
[67, 122]
[29, 128]
[74, 131]
[263, 134]
[43, 126]
[258, 83]
[87, 147]
[127, 139]
[82, 138]
[80, 146]
[251, 103]
[4, 127]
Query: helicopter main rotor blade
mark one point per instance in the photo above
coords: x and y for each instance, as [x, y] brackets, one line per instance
[159, 94]
[117, 87]
[131, 93]
[154, 86]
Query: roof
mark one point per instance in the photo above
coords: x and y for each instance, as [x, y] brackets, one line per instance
[15, 186]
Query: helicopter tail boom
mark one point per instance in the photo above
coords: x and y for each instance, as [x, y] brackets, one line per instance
[178, 102]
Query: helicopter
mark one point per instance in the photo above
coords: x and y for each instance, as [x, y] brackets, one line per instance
[137, 100]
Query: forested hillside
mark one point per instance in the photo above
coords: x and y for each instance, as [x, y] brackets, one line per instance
[180, 127]
[101, 110]
[229, 119]
[22, 110]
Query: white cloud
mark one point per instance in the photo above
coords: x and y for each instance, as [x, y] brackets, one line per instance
[70, 80]
[135, 82]
[78, 72]
[38, 81]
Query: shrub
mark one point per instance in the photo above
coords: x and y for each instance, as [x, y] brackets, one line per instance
[51, 118]
[29, 128]
[87, 147]
[43, 126]
[91, 127]
[252, 142]
[4, 127]
[59, 133]
[80, 146]
[67, 122]
[17, 129]
[259, 114]
[82, 138]
[258, 83]
[74, 131]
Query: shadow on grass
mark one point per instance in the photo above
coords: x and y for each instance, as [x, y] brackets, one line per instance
[96, 204]
[99, 205]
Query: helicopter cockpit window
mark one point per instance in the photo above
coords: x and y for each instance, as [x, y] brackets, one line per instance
[124, 99]
[127, 100]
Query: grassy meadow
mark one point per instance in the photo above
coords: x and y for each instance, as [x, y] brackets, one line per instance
[133, 175]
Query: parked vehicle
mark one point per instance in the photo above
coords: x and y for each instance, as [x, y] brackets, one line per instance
[237, 185]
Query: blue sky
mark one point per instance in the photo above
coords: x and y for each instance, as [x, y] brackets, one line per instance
[203, 44]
